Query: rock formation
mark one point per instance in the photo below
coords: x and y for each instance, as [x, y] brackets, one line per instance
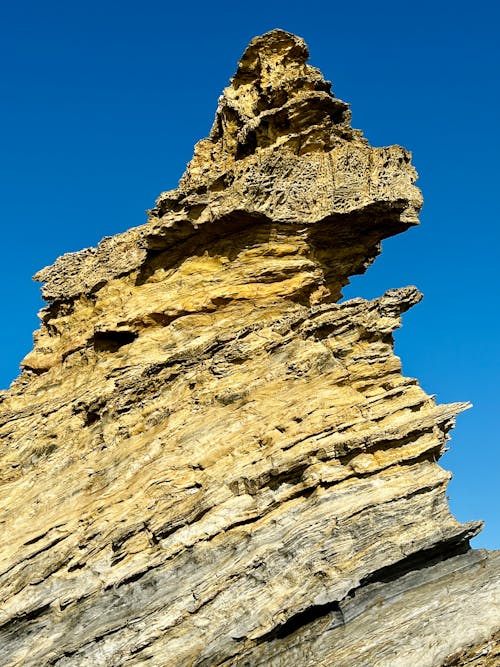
[208, 460]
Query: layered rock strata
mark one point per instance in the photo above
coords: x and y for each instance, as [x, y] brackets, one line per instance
[208, 460]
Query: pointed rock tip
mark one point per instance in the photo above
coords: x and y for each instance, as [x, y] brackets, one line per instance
[275, 100]
[271, 44]
[274, 49]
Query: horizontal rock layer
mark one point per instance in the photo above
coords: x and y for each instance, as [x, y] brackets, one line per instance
[206, 459]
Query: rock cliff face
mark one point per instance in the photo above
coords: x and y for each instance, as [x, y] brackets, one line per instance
[207, 460]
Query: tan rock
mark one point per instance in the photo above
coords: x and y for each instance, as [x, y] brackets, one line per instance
[207, 460]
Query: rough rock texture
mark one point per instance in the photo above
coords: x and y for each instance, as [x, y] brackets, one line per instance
[207, 460]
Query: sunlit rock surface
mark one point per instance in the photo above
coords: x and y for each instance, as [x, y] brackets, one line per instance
[207, 460]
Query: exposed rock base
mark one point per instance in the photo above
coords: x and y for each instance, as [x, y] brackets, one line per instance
[207, 460]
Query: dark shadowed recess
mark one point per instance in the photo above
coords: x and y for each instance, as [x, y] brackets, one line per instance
[344, 244]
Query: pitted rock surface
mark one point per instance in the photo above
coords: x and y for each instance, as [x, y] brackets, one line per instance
[208, 460]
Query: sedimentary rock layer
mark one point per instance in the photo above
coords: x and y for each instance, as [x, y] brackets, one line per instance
[208, 460]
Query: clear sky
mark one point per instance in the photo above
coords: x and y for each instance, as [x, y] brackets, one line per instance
[102, 101]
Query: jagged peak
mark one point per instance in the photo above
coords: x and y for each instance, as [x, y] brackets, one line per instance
[274, 99]
[281, 151]
[275, 46]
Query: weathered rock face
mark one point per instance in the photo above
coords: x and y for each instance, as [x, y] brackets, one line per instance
[207, 460]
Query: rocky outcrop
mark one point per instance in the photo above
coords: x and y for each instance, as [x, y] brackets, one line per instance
[208, 460]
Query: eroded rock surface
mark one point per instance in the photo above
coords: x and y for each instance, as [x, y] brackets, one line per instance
[207, 460]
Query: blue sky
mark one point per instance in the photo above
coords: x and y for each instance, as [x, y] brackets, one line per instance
[101, 103]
